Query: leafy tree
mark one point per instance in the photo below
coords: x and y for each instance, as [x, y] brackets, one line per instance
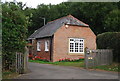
[29, 14]
[14, 24]
[112, 21]
[93, 14]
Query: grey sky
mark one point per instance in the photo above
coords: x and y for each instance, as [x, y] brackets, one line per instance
[34, 3]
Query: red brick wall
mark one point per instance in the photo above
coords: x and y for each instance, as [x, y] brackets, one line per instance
[43, 53]
[61, 41]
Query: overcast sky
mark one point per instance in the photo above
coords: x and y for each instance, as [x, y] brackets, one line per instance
[34, 3]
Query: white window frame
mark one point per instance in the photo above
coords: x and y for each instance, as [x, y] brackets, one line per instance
[46, 45]
[76, 43]
[38, 45]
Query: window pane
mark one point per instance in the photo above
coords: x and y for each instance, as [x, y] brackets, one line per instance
[38, 46]
[71, 39]
[76, 45]
[47, 45]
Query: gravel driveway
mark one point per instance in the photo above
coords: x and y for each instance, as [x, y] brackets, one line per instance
[47, 71]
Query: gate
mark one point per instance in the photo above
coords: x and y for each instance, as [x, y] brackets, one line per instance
[19, 63]
[22, 62]
[98, 57]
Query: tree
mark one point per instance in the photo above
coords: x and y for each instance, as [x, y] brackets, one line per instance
[111, 22]
[14, 24]
[93, 14]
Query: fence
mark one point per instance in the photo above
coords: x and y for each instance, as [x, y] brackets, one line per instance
[22, 62]
[19, 62]
[98, 57]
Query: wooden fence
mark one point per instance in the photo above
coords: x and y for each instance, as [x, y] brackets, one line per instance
[98, 57]
[22, 62]
[19, 62]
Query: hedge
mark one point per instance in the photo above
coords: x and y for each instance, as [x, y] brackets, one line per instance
[110, 40]
[14, 31]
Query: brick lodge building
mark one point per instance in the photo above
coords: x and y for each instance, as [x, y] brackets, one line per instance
[66, 37]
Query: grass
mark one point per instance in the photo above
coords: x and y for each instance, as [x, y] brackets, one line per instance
[74, 63]
[112, 67]
[9, 75]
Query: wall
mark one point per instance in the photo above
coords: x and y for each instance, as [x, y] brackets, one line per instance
[42, 53]
[61, 41]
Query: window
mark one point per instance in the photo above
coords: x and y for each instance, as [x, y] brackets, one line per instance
[38, 46]
[47, 45]
[76, 45]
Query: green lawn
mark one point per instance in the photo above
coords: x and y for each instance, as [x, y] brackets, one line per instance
[112, 67]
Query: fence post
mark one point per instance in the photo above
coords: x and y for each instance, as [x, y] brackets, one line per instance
[26, 60]
[86, 58]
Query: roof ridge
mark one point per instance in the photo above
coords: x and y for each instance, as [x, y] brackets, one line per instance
[57, 19]
[78, 20]
[71, 17]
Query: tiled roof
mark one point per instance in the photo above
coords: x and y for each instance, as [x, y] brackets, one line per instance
[50, 28]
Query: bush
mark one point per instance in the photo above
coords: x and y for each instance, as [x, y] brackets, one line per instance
[71, 59]
[110, 40]
[14, 30]
[31, 57]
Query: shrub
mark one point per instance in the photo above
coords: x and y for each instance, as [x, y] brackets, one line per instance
[109, 40]
[71, 59]
[37, 58]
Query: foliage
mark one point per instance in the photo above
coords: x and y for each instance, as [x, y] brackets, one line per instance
[29, 14]
[60, 60]
[14, 24]
[71, 59]
[112, 21]
[98, 15]
[37, 58]
[110, 40]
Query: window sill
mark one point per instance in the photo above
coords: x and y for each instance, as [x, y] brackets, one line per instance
[80, 54]
[46, 50]
[38, 50]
